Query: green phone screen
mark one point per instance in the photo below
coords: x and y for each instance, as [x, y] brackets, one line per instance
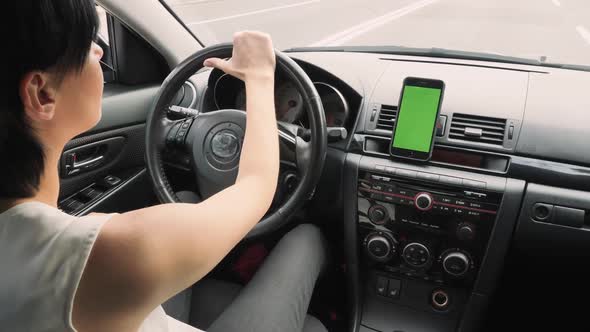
[416, 118]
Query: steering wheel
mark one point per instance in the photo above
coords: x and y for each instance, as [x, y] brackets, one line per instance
[214, 139]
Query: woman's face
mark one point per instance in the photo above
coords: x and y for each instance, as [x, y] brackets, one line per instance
[79, 97]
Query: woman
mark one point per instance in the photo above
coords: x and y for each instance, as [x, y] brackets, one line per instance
[112, 272]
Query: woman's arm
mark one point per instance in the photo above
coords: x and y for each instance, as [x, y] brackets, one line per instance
[142, 258]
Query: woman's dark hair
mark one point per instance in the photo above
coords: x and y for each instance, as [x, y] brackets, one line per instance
[49, 35]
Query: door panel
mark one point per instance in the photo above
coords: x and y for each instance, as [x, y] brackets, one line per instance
[114, 149]
[123, 106]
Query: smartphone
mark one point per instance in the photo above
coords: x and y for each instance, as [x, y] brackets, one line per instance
[415, 124]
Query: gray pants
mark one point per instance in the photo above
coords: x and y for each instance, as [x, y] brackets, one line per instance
[277, 297]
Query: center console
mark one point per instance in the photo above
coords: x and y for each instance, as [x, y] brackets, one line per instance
[422, 238]
[434, 232]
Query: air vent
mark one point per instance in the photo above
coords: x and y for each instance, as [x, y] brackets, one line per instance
[475, 128]
[386, 117]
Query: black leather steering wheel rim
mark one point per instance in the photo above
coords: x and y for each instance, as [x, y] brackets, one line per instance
[157, 123]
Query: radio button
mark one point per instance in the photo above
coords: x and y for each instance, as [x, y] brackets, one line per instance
[459, 202]
[475, 205]
[444, 209]
[459, 211]
[406, 192]
[446, 200]
[392, 199]
[485, 206]
[473, 213]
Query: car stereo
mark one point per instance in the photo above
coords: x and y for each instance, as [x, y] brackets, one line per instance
[435, 232]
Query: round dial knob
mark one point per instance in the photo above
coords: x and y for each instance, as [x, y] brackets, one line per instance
[378, 214]
[456, 263]
[465, 232]
[423, 201]
[416, 254]
[379, 247]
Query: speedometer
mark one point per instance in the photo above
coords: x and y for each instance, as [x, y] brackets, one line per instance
[288, 102]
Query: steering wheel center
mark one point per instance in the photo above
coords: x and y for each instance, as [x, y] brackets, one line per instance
[225, 144]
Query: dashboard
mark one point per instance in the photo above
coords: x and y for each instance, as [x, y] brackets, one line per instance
[426, 242]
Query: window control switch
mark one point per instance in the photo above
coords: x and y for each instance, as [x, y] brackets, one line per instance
[111, 180]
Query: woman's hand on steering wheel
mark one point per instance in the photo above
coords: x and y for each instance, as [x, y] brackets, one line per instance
[215, 140]
[253, 57]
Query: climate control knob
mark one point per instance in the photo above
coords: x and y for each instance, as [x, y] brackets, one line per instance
[379, 247]
[416, 255]
[456, 263]
[423, 201]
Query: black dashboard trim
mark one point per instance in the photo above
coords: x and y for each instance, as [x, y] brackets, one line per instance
[350, 176]
[550, 173]
[366, 152]
[356, 123]
[465, 64]
[500, 239]
[547, 172]
[493, 183]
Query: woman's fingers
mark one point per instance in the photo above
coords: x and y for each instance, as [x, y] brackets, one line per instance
[215, 63]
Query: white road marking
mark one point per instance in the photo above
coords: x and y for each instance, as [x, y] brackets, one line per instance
[359, 29]
[556, 2]
[265, 10]
[584, 33]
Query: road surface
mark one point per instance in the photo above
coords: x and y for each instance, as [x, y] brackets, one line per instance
[557, 29]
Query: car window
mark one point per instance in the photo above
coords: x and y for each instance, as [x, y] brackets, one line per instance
[103, 30]
[553, 31]
[103, 40]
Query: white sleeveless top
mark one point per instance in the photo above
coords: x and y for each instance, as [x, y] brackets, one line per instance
[43, 252]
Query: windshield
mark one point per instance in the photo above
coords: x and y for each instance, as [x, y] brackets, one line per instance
[553, 31]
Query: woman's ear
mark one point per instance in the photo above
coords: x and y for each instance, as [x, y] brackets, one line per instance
[38, 95]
